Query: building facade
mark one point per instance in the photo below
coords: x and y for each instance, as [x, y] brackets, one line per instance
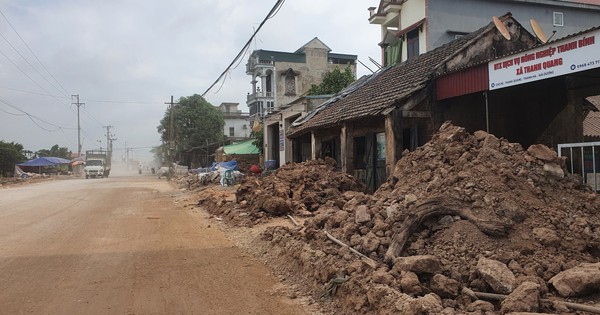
[237, 126]
[280, 81]
[413, 27]
[470, 81]
[279, 78]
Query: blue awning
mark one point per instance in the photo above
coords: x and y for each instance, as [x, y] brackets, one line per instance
[45, 161]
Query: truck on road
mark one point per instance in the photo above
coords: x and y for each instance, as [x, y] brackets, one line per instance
[97, 163]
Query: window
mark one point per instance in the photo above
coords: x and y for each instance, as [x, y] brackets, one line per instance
[231, 131]
[290, 84]
[270, 107]
[558, 19]
[393, 53]
[412, 44]
[268, 82]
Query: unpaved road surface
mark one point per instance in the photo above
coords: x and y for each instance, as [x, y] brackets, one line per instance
[122, 245]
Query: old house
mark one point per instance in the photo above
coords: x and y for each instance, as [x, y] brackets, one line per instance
[279, 79]
[402, 105]
[413, 27]
[237, 126]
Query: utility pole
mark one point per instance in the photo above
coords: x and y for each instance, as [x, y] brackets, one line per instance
[78, 104]
[171, 132]
[109, 140]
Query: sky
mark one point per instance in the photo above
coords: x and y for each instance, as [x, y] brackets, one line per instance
[126, 58]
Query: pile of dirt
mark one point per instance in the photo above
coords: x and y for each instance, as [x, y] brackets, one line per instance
[462, 211]
[295, 189]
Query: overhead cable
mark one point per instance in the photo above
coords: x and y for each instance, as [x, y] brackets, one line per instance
[271, 14]
[31, 51]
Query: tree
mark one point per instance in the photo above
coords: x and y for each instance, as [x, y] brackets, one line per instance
[258, 140]
[333, 82]
[10, 154]
[195, 121]
[55, 151]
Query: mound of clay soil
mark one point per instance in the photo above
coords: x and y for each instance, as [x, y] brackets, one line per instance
[462, 211]
[295, 189]
[452, 207]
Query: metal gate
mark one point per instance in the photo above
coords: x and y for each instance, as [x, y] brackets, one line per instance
[583, 159]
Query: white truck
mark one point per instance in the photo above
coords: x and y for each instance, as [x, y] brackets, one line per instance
[97, 163]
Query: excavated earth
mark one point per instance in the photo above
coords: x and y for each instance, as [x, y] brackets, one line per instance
[543, 250]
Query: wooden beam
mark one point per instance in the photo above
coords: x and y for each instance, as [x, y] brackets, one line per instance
[416, 114]
[343, 148]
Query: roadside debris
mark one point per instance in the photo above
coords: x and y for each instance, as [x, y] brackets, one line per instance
[463, 213]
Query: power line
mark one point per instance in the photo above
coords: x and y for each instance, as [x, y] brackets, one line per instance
[31, 51]
[83, 99]
[30, 78]
[33, 118]
[271, 14]
[27, 61]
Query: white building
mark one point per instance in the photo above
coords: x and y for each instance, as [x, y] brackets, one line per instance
[237, 126]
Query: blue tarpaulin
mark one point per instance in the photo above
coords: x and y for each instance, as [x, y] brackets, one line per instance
[45, 161]
[231, 165]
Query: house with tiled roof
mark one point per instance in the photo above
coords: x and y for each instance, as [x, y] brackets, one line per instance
[591, 123]
[401, 106]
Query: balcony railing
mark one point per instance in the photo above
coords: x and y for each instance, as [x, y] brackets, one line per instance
[258, 95]
[251, 65]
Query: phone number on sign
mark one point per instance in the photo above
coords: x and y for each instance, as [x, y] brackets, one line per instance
[586, 65]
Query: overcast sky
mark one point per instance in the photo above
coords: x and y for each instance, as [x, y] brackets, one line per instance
[126, 58]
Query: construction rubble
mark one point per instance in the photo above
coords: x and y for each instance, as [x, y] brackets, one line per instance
[466, 224]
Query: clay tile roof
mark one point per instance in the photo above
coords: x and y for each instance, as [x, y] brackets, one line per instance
[391, 85]
[591, 124]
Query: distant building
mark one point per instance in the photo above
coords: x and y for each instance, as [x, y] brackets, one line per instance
[237, 126]
[280, 81]
[412, 27]
[279, 78]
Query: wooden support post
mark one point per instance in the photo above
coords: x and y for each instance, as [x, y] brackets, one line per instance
[393, 140]
[343, 148]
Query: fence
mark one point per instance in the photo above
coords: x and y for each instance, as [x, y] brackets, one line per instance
[583, 159]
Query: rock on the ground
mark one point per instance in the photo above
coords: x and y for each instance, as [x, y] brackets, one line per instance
[370, 243]
[418, 264]
[546, 236]
[480, 306]
[496, 275]
[525, 298]
[542, 152]
[428, 304]
[577, 281]
[362, 215]
[409, 283]
[554, 170]
[445, 287]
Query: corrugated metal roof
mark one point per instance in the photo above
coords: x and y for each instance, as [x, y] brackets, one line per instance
[468, 81]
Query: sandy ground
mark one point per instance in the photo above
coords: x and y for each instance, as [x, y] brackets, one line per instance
[124, 245]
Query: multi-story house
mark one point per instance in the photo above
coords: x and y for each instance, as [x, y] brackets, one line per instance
[413, 27]
[236, 126]
[279, 78]
[280, 81]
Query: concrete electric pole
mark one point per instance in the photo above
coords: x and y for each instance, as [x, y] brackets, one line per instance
[78, 104]
[171, 132]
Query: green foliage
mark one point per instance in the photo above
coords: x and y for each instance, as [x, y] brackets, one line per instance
[258, 139]
[10, 154]
[333, 82]
[195, 121]
[55, 151]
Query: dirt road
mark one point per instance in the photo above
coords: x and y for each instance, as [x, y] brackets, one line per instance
[122, 245]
